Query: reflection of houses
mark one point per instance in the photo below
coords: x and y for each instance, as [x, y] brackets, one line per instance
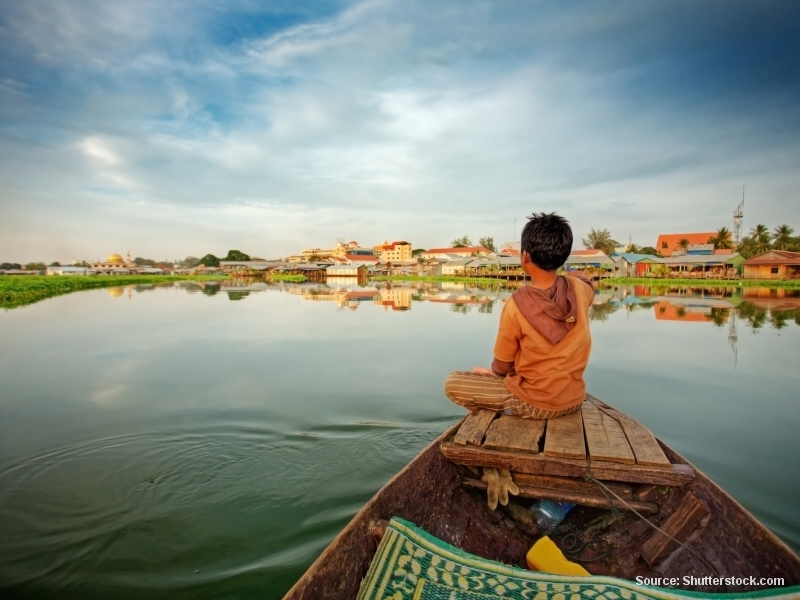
[449, 285]
[775, 264]
[667, 311]
[772, 298]
[463, 298]
[242, 285]
[398, 298]
[344, 296]
[689, 308]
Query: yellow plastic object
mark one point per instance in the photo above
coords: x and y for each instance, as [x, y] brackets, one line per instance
[546, 556]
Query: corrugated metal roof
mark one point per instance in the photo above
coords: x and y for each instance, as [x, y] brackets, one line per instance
[592, 252]
[698, 259]
[459, 262]
[589, 260]
[775, 257]
[456, 250]
[633, 257]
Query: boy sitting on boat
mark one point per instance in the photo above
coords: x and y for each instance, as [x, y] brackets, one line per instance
[543, 342]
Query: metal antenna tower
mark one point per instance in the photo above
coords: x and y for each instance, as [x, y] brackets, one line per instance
[738, 215]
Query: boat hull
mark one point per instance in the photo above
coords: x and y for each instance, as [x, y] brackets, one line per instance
[428, 493]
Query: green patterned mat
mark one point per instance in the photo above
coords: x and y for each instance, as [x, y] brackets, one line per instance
[410, 564]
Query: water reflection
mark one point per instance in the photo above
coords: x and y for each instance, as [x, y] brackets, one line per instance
[718, 306]
[181, 445]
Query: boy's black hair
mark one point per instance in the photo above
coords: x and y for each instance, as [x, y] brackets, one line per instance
[547, 238]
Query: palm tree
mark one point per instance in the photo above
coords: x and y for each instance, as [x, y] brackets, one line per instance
[760, 236]
[634, 249]
[747, 247]
[722, 239]
[683, 244]
[782, 237]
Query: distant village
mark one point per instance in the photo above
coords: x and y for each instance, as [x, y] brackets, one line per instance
[687, 255]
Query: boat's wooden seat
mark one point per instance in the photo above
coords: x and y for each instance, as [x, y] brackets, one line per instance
[548, 457]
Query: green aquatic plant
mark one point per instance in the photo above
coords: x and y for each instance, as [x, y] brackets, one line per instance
[21, 290]
[705, 283]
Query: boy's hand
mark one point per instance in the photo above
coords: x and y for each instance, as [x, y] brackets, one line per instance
[483, 371]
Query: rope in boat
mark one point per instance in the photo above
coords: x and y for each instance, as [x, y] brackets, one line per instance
[600, 485]
[605, 490]
[572, 545]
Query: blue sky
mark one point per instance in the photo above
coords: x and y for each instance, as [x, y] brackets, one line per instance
[186, 127]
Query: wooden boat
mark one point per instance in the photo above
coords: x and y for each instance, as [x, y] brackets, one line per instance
[720, 538]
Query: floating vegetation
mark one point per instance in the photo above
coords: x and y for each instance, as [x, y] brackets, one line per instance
[21, 290]
[672, 281]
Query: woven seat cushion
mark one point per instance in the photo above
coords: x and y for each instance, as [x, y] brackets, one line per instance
[410, 564]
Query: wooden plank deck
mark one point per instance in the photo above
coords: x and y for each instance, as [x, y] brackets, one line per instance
[565, 437]
[474, 427]
[605, 439]
[597, 439]
[515, 434]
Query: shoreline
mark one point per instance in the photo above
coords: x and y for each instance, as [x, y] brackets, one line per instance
[667, 282]
[649, 281]
[23, 290]
[18, 290]
[435, 278]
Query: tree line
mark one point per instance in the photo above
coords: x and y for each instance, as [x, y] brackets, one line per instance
[758, 240]
[465, 242]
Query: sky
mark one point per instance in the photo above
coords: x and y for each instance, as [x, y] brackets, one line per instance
[187, 127]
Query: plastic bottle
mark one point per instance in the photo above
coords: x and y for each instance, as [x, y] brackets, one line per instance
[549, 513]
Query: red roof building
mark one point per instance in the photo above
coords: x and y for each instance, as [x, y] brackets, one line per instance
[667, 243]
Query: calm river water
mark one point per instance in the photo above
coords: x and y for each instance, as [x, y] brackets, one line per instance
[209, 441]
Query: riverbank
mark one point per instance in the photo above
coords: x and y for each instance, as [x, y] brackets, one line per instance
[288, 278]
[437, 278]
[16, 290]
[649, 281]
[667, 282]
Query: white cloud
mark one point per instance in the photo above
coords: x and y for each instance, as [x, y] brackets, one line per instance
[385, 120]
[97, 149]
